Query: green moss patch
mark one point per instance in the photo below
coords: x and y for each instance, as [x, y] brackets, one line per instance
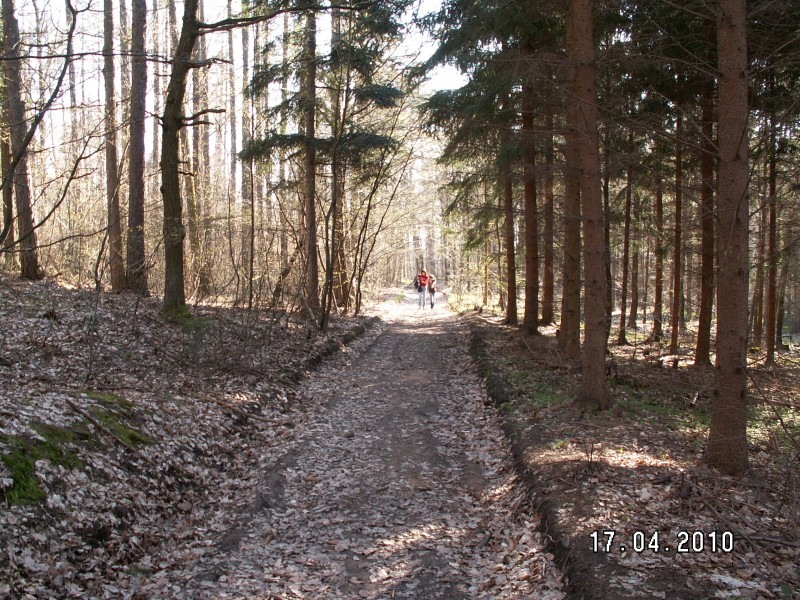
[183, 318]
[113, 421]
[23, 452]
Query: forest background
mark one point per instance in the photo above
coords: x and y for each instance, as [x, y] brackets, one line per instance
[283, 156]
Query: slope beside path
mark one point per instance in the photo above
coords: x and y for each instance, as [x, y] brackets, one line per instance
[401, 486]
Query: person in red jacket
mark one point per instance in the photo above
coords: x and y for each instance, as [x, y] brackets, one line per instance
[422, 281]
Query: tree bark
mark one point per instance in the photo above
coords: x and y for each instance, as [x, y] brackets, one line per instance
[309, 91]
[633, 315]
[548, 293]
[509, 247]
[530, 321]
[622, 338]
[727, 440]
[581, 53]
[677, 259]
[136, 273]
[658, 284]
[772, 248]
[569, 337]
[172, 122]
[703, 347]
[115, 256]
[29, 258]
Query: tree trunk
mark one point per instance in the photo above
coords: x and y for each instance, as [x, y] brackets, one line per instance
[757, 309]
[8, 192]
[548, 292]
[509, 247]
[635, 261]
[607, 233]
[283, 197]
[248, 195]
[772, 249]
[136, 273]
[703, 347]
[781, 308]
[677, 260]
[115, 256]
[338, 261]
[658, 284]
[727, 438]
[530, 322]
[309, 103]
[29, 259]
[622, 338]
[172, 122]
[581, 53]
[569, 338]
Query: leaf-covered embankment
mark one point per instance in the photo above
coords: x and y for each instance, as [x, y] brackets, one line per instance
[121, 430]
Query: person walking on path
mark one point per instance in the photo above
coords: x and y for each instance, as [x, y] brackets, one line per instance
[422, 280]
[431, 288]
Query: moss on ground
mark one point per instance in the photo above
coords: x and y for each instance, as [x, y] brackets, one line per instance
[55, 445]
[59, 445]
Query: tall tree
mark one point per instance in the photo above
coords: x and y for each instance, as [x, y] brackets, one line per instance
[29, 258]
[530, 321]
[136, 268]
[548, 292]
[658, 284]
[115, 256]
[581, 54]
[309, 108]
[677, 247]
[727, 438]
[703, 346]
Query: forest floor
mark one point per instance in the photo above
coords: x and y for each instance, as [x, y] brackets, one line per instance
[236, 455]
[631, 509]
[239, 454]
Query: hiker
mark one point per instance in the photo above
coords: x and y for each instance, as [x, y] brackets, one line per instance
[422, 280]
[431, 288]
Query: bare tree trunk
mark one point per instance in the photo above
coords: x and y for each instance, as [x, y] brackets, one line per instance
[309, 91]
[156, 40]
[29, 260]
[677, 260]
[635, 262]
[8, 193]
[172, 122]
[283, 198]
[781, 308]
[509, 247]
[772, 249]
[658, 294]
[549, 274]
[136, 273]
[727, 438]
[703, 347]
[116, 259]
[198, 234]
[581, 52]
[569, 338]
[622, 339]
[530, 322]
[757, 310]
[248, 196]
[607, 232]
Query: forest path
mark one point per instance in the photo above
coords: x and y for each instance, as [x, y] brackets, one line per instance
[401, 486]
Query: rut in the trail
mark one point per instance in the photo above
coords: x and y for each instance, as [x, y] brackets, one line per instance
[401, 488]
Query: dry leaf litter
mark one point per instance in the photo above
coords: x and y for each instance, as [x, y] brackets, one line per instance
[382, 475]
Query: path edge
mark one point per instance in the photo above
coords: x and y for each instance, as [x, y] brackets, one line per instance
[576, 567]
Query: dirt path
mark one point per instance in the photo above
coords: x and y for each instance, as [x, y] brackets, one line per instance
[400, 488]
